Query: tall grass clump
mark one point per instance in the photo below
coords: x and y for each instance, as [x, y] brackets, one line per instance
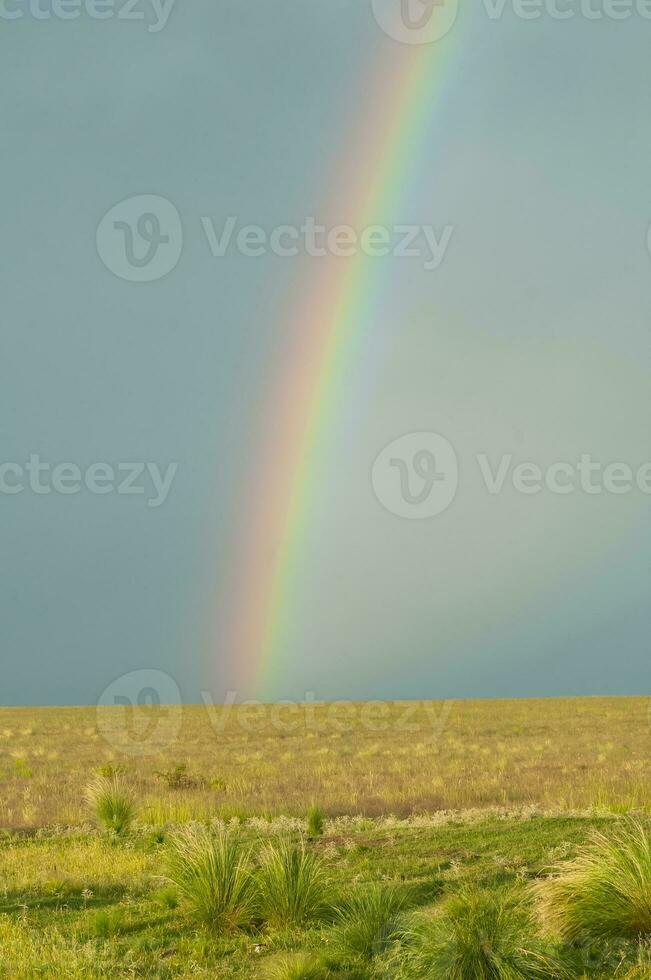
[296, 966]
[293, 885]
[605, 892]
[315, 821]
[112, 803]
[214, 878]
[369, 921]
[479, 936]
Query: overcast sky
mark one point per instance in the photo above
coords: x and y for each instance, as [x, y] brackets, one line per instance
[530, 340]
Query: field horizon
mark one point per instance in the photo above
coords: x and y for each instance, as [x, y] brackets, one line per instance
[270, 702]
[371, 758]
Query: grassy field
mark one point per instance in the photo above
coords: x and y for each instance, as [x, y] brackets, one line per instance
[423, 801]
[374, 759]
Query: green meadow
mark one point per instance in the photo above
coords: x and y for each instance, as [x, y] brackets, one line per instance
[463, 839]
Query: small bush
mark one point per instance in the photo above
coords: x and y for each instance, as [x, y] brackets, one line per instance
[178, 777]
[109, 770]
[213, 876]
[293, 886]
[112, 803]
[605, 892]
[369, 921]
[315, 821]
[296, 966]
[480, 936]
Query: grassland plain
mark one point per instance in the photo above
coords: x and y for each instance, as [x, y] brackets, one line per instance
[424, 798]
[375, 759]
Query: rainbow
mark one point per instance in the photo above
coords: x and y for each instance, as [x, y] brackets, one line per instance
[330, 322]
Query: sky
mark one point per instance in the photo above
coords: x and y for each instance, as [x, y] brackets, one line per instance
[431, 568]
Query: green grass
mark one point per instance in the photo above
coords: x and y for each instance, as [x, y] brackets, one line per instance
[213, 875]
[293, 885]
[87, 905]
[369, 920]
[297, 966]
[641, 969]
[315, 821]
[605, 892]
[434, 859]
[479, 935]
[112, 803]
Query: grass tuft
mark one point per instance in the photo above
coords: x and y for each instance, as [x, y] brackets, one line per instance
[480, 936]
[315, 821]
[296, 966]
[112, 803]
[369, 921]
[212, 874]
[605, 892]
[293, 885]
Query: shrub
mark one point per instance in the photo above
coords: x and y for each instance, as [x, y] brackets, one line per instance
[480, 936]
[369, 921]
[605, 892]
[109, 770]
[178, 777]
[315, 821]
[213, 876]
[112, 803]
[292, 884]
[296, 966]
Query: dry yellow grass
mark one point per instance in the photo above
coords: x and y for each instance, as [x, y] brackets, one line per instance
[395, 758]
